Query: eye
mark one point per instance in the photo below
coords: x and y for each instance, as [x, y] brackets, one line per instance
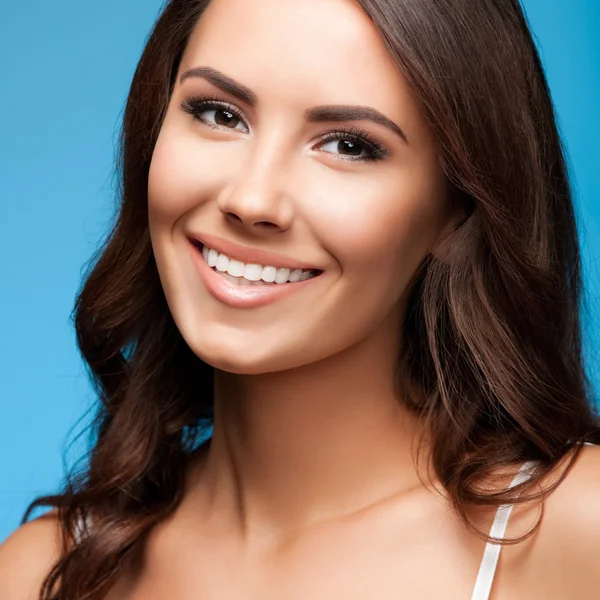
[215, 113]
[350, 143]
[354, 144]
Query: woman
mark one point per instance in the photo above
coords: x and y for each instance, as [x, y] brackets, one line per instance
[347, 242]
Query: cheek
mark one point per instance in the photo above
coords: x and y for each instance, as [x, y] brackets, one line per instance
[173, 191]
[185, 171]
[378, 225]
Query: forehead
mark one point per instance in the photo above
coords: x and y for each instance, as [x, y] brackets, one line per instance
[302, 52]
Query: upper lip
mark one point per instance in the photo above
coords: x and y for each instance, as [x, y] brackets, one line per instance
[249, 255]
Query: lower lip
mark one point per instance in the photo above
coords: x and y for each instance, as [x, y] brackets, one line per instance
[244, 296]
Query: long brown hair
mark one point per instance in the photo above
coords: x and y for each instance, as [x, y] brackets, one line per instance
[492, 336]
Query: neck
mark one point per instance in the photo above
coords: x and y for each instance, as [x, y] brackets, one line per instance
[296, 448]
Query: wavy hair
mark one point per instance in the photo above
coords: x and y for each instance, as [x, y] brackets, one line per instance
[492, 340]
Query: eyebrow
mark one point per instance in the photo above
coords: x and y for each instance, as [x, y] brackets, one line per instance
[317, 114]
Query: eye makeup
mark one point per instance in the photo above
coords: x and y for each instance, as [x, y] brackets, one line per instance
[352, 135]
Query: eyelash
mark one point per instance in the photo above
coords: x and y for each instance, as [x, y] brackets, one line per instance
[351, 133]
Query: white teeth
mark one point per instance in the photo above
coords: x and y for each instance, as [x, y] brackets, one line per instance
[251, 274]
[222, 263]
[235, 268]
[269, 274]
[213, 255]
[295, 275]
[283, 275]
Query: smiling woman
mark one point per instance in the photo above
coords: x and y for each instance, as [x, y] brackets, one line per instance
[346, 241]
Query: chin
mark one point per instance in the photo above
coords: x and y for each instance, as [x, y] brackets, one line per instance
[240, 358]
[230, 364]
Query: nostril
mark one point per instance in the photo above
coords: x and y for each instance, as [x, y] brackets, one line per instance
[267, 224]
[233, 217]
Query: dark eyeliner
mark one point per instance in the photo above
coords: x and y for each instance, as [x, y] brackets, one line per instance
[195, 105]
[359, 136]
[198, 104]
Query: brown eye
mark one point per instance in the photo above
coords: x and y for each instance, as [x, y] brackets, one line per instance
[214, 114]
[350, 148]
[346, 147]
[353, 143]
[219, 117]
[225, 118]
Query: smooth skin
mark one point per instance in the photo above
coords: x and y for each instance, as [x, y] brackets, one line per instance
[309, 489]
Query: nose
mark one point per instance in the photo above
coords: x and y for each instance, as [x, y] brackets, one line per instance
[256, 199]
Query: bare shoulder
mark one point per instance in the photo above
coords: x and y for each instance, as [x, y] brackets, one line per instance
[27, 556]
[562, 560]
[573, 518]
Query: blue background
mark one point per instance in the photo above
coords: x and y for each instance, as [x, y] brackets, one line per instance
[65, 69]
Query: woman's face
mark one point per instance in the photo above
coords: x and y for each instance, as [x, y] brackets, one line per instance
[282, 165]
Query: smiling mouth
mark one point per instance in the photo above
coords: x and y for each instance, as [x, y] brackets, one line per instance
[240, 273]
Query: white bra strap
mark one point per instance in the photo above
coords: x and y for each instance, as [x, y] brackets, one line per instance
[487, 569]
